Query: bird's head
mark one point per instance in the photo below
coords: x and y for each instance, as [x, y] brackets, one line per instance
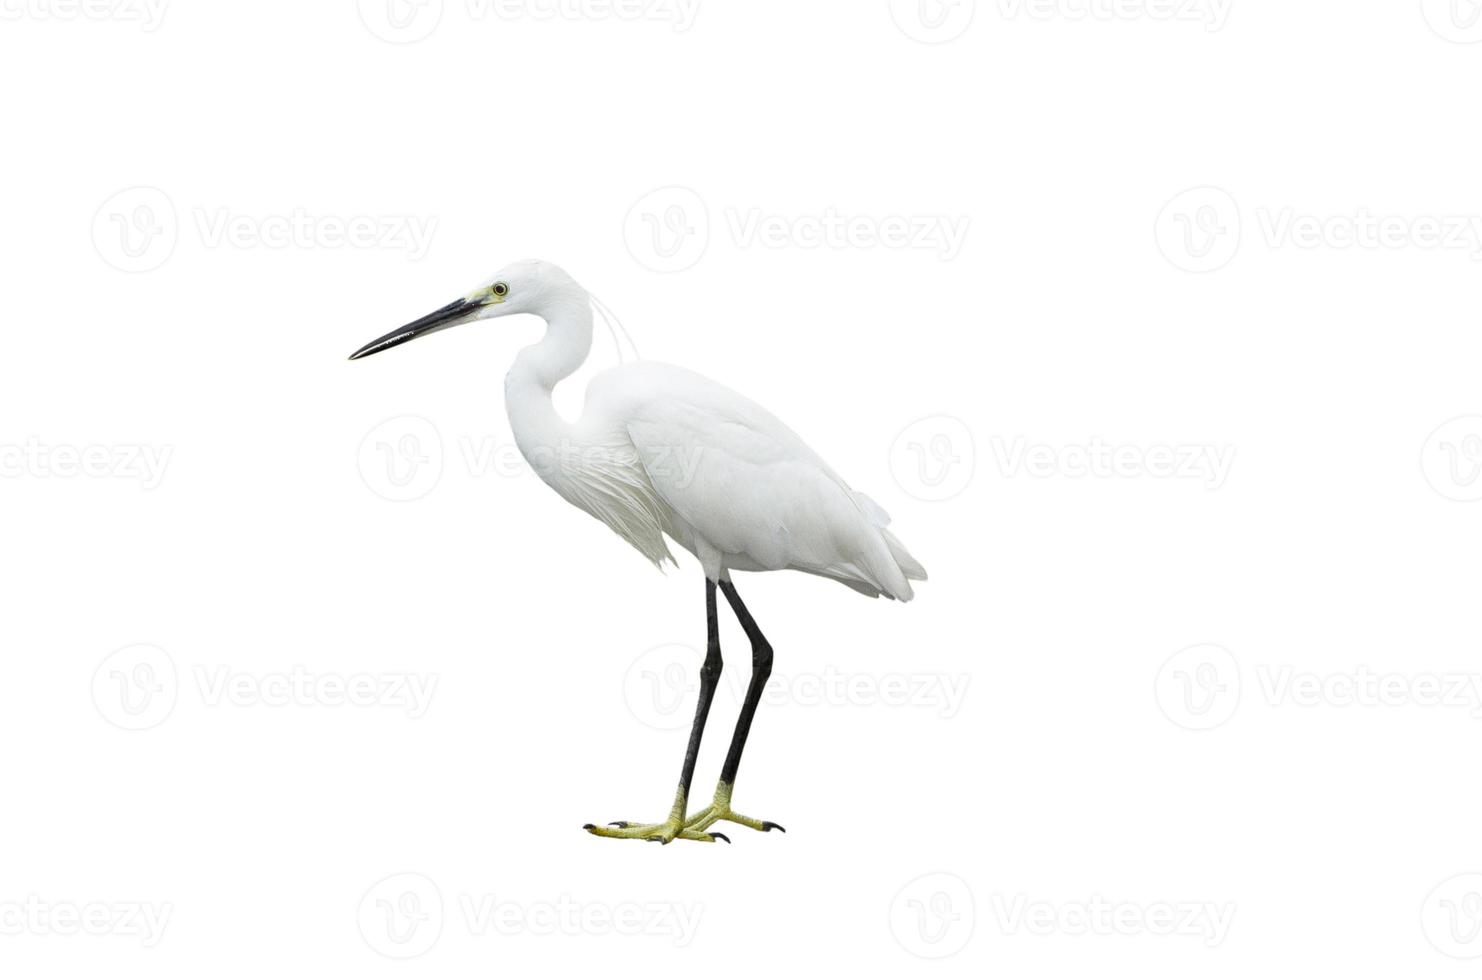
[528, 286]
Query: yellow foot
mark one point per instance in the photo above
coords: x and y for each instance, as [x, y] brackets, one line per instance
[662, 832]
[720, 809]
[674, 828]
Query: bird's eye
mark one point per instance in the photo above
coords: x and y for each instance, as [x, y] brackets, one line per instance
[501, 289]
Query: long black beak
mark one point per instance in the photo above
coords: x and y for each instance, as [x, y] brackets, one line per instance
[432, 322]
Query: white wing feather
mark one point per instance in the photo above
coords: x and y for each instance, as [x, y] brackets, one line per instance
[747, 485]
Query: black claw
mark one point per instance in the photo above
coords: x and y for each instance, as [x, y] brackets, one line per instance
[619, 824]
[588, 826]
[769, 825]
[721, 837]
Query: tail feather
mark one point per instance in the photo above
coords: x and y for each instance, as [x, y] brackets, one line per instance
[894, 569]
[912, 568]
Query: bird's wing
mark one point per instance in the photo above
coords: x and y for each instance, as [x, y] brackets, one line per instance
[750, 487]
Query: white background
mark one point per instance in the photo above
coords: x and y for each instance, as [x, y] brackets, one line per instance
[1301, 309]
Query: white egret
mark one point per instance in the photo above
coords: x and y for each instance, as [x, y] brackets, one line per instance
[660, 451]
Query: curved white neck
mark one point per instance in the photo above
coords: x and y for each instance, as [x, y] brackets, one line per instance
[537, 369]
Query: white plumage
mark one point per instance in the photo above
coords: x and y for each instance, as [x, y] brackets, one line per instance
[660, 450]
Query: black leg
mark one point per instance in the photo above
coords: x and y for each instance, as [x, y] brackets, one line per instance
[709, 678]
[761, 669]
